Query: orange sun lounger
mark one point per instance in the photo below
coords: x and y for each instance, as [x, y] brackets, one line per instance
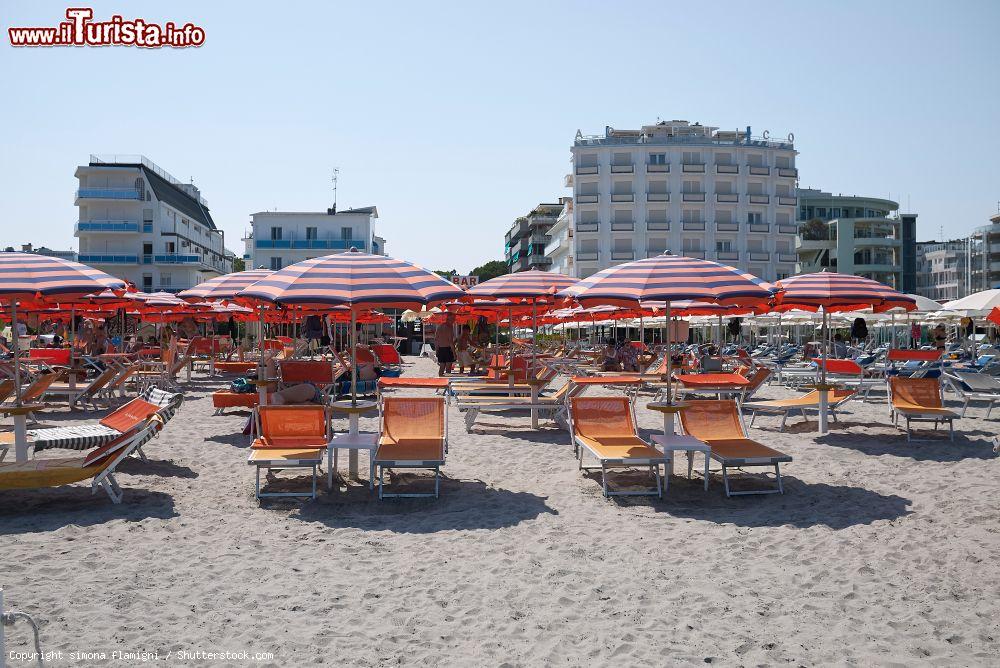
[235, 367]
[800, 404]
[414, 435]
[919, 400]
[718, 423]
[604, 428]
[290, 437]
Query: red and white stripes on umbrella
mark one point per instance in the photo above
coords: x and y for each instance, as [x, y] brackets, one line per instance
[838, 292]
[353, 279]
[532, 284]
[225, 286]
[27, 276]
[670, 278]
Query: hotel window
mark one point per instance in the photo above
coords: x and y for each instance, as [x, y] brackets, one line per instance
[275, 233]
[622, 216]
[755, 245]
[691, 187]
[724, 187]
[782, 275]
[656, 245]
[147, 215]
[691, 215]
[755, 188]
[782, 161]
[622, 159]
[658, 187]
[622, 244]
[588, 160]
[783, 246]
[723, 246]
[691, 158]
[275, 263]
[691, 244]
[311, 233]
[657, 158]
[656, 215]
[754, 218]
[346, 233]
[587, 188]
[166, 280]
[723, 215]
[170, 247]
[782, 218]
[622, 188]
[588, 217]
[723, 158]
[755, 160]
[784, 190]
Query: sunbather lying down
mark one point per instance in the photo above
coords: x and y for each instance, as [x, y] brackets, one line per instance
[303, 393]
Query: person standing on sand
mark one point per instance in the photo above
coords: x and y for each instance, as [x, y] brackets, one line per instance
[444, 345]
[940, 337]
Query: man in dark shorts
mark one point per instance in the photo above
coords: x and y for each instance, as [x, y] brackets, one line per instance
[444, 345]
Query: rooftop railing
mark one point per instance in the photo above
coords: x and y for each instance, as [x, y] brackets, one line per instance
[691, 140]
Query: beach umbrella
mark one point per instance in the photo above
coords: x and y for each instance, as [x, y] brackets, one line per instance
[38, 280]
[833, 292]
[357, 280]
[667, 278]
[224, 287]
[976, 305]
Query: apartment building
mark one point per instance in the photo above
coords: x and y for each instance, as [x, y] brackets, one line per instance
[138, 223]
[280, 238]
[696, 190]
[559, 250]
[43, 250]
[863, 236]
[526, 240]
[984, 256]
[943, 269]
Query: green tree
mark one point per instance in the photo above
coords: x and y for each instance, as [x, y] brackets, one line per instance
[489, 270]
[814, 230]
[447, 273]
[239, 264]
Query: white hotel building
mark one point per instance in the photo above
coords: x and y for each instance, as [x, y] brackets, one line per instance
[280, 238]
[139, 223]
[695, 190]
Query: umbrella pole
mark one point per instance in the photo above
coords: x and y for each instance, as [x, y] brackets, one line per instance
[823, 389]
[354, 358]
[20, 418]
[261, 371]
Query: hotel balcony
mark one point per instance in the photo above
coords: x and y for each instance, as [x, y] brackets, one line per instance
[657, 197]
[787, 229]
[108, 259]
[760, 199]
[311, 244]
[588, 199]
[784, 200]
[759, 256]
[109, 226]
[622, 255]
[539, 260]
[877, 242]
[622, 197]
[727, 169]
[622, 226]
[758, 170]
[622, 169]
[174, 258]
[693, 197]
[697, 254]
[788, 171]
[540, 238]
[657, 225]
[693, 168]
[727, 198]
[759, 227]
[657, 169]
[584, 171]
[108, 193]
[788, 257]
[693, 225]
[588, 227]
[727, 256]
[727, 227]
[587, 256]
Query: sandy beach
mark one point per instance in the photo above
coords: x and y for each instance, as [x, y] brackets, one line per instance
[880, 552]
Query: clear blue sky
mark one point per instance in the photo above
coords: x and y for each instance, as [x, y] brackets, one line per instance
[454, 118]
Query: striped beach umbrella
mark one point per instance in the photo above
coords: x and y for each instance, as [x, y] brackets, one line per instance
[839, 292]
[224, 287]
[526, 285]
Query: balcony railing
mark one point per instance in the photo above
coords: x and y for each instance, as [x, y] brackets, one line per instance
[622, 197]
[588, 199]
[693, 197]
[587, 256]
[109, 259]
[784, 200]
[174, 258]
[787, 257]
[698, 254]
[147, 227]
[622, 169]
[587, 227]
[107, 226]
[693, 225]
[311, 244]
[693, 168]
[727, 227]
[652, 168]
[727, 198]
[108, 193]
[787, 229]
[728, 256]
[589, 169]
[788, 171]
[657, 197]
[622, 226]
[727, 169]
[759, 227]
[622, 255]
[657, 225]
[760, 199]
[539, 260]
[759, 170]
[759, 256]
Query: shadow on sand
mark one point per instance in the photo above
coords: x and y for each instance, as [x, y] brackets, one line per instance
[40, 510]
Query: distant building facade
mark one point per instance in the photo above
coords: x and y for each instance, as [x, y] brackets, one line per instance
[281, 238]
[140, 224]
[984, 256]
[525, 242]
[696, 190]
[943, 269]
[856, 235]
[559, 250]
[42, 250]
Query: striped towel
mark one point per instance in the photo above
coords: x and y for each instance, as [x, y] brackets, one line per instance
[84, 436]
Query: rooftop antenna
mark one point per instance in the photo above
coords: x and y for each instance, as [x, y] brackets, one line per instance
[336, 175]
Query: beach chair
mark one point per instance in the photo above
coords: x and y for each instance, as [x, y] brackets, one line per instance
[974, 387]
[604, 428]
[6, 389]
[850, 374]
[919, 400]
[98, 466]
[85, 394]
[718, 423]
[799, 404]
[413, 435]
[289, 437]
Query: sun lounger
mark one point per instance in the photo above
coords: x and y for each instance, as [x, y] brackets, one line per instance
[919, 400]
[98, 466]
[974, 387]
[604, 428]
[289, 437]
[414, 435]
[235, 367]
[85, 394]
[799, 404]
[720, 424]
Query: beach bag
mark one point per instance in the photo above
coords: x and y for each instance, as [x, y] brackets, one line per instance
[241, 386]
